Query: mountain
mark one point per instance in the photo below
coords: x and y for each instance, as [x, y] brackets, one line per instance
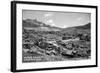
[78, 29]
[32, 23]
[39, 26]
[87, 26]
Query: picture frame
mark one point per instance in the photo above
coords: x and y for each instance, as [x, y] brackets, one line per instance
[21, 10]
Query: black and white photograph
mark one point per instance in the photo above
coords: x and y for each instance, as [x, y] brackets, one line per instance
[48, 36]
[55, 36]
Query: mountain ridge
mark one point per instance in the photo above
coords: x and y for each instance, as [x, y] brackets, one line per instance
[34, 23]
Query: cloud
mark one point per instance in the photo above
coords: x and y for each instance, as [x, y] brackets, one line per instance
[48, 15]
[64, 26]
[79, 19]
[50, 22]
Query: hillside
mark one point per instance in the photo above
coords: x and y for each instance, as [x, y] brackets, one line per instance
[30, 24]
[87, 26]
[78, 29]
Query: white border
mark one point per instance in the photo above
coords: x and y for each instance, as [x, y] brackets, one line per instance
[33, 65]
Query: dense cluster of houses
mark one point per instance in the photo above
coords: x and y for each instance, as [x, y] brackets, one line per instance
[62, 46]
[53, 47]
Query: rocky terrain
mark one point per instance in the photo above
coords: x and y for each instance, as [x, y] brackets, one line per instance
[42, 42]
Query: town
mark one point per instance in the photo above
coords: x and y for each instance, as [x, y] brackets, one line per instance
[40, 46]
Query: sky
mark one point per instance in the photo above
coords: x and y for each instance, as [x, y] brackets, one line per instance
[58, 19]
